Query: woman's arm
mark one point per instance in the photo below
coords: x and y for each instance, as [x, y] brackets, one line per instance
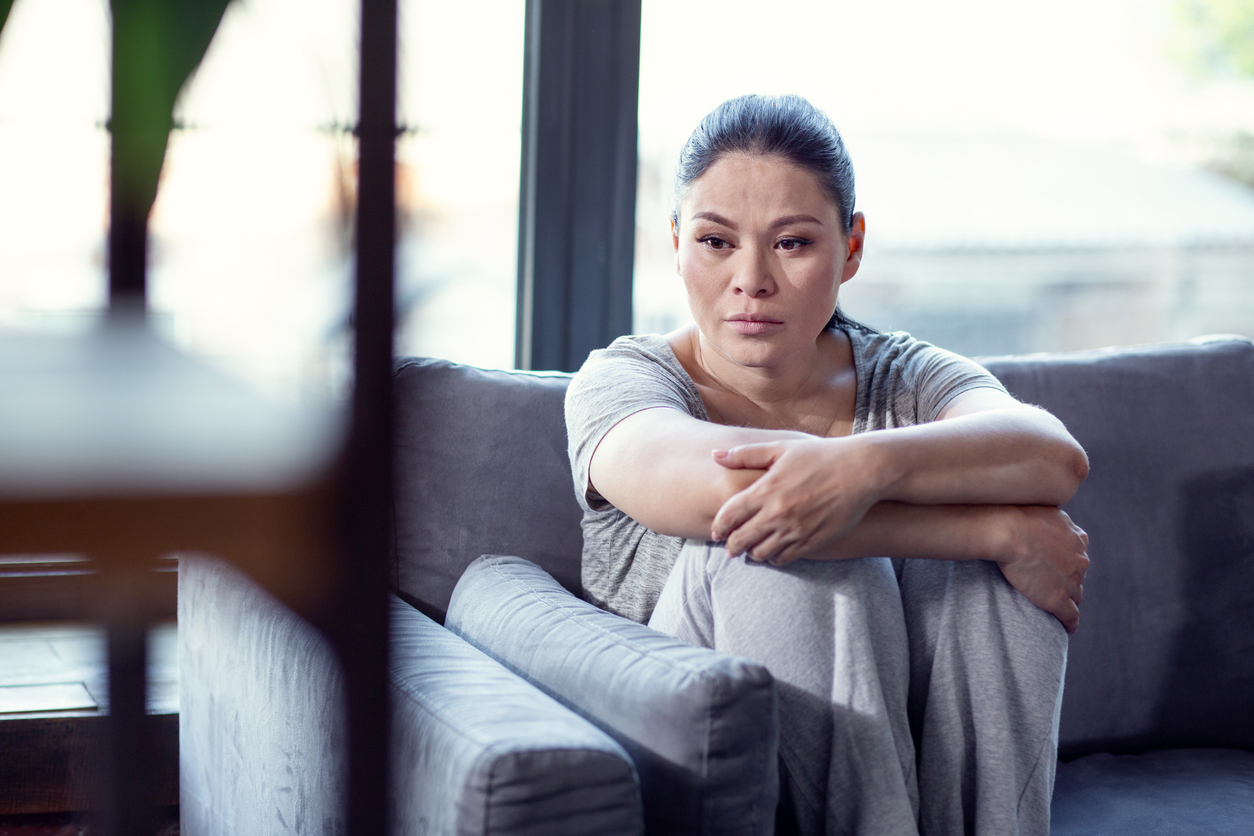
[664, 469]
[655, 466]
[986, 448]
[1040, 551]
[820, 497]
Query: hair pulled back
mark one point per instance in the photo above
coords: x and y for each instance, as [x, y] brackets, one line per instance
[786, 126]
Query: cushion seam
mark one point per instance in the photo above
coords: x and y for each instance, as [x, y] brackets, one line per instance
[647, 653]
[482, 738]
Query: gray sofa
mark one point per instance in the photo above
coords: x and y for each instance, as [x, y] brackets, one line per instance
[530, 711]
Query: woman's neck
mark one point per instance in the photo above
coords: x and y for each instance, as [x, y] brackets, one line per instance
[813, 390]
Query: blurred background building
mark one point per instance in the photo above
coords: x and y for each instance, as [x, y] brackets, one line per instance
[1036, 176]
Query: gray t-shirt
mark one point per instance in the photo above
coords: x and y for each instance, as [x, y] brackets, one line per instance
[901, 382]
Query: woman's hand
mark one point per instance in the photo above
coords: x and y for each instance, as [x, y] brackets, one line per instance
[1047, 559]
[814, 492]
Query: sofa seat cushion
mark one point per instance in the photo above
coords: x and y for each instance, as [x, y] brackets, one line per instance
[700, 726]
[1172, 792]
[476, 750]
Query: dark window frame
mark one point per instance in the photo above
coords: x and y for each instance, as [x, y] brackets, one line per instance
[577, 195]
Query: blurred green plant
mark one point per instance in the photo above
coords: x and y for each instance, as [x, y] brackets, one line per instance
[157, 44]
[1216, 37]
[5, 5]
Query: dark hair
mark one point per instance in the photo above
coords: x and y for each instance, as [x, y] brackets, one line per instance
[787, 126]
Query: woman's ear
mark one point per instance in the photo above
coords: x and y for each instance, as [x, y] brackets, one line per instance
[675, 240]
[855, 241]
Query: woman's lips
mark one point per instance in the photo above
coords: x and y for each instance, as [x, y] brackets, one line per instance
[755, 327]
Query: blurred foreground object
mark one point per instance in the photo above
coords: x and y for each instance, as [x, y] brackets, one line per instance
[115, 446]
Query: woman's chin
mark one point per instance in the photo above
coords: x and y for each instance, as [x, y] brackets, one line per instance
[751, 351]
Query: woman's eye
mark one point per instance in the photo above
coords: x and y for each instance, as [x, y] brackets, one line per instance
[789, 244]
[714, 242]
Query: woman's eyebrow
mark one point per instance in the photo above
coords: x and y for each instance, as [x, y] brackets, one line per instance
[717, 218]
[796, 219]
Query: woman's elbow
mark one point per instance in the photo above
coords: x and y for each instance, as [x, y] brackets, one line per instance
[1068, 463]
[1073, 471]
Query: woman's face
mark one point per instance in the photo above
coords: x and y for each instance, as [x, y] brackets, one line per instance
[762, 254]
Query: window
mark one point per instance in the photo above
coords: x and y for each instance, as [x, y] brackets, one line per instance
[1035, 176]
[251, 236]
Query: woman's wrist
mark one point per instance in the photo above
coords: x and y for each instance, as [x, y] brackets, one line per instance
[878, 469]
[1005, 540]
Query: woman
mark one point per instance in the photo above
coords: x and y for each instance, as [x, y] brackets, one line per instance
[873, 518]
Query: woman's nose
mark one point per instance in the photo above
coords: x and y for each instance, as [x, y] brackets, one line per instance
[756, 276]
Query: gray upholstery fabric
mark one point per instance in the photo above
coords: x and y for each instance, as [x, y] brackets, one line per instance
[1164, 656]
[481, 468]
[699, 725]
[261, 725]
[1197, 792]
[476, 750]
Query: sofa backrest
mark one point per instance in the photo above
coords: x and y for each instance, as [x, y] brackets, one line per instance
[1165, 653]
[481, 468]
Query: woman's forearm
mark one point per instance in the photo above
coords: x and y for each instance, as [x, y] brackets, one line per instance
[942, 532]
[1039, 550]
[655, 466]
[1013, 456]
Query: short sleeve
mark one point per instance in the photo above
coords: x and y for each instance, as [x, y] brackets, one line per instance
[938, 376]
[903, 381]
[633, 374]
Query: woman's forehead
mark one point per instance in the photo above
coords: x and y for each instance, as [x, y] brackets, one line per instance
[748, 185]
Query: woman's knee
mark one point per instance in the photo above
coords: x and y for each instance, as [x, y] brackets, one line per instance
[974, 599]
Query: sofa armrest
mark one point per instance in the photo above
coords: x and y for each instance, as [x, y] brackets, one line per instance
[701, 726]
[475, 750]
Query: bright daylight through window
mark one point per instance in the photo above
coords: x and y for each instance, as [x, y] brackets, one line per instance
[251, 235]
[1035, 176]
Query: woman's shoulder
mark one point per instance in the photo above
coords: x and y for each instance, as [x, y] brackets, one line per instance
[635, 354]
[635, 368]
[906, 380]
[653, 346]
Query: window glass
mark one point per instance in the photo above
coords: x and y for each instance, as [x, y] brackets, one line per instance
[461, 97]
[264, 183]
[251, 259]
[54, 163]
[1035, 176]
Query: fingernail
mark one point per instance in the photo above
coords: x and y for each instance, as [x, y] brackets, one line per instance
[719, 454]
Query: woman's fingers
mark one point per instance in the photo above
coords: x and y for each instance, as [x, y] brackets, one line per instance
[754, 538]
[735, 512]
[1049, 565]
[752, 456]
[800, 503]
[1069, 615]
[776, 547]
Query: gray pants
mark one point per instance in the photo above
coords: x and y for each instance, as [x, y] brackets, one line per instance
[921, 697]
